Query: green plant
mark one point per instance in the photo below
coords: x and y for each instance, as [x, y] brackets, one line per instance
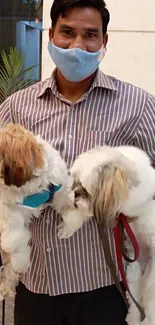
[13, 77]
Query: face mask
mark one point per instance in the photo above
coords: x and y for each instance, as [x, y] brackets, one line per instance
[75, 64]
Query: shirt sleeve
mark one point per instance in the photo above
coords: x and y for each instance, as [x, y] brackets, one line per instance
[5, 112]
[145, 135]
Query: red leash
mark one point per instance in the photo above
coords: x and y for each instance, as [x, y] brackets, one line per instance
[123, 223]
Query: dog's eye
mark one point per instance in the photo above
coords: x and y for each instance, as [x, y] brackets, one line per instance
[77, 194]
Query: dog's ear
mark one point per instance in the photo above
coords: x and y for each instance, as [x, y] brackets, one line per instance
[111, 191]
[14, 175]
[21, 154]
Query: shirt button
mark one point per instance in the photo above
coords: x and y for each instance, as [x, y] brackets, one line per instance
[70, 136]
[47, 221]
[48, 249]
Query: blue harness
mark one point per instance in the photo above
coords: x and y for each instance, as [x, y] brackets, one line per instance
[36, 200]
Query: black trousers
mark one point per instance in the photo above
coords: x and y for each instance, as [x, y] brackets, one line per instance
[103, 306]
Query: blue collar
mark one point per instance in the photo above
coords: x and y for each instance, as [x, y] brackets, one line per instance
[38, 199]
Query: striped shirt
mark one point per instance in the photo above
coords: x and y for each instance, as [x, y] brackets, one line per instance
[111, 112]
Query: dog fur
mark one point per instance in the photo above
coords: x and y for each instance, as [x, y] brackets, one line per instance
[108, 181]
[104, 182]
[28, 164]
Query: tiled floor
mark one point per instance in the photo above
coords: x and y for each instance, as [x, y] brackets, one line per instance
[8, 312]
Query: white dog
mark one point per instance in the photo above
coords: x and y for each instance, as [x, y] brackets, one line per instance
[108, 181]
[28, 165]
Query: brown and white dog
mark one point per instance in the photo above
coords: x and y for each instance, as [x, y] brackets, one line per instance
[28, 165]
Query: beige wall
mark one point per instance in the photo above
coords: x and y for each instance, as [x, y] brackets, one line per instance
[131, 47]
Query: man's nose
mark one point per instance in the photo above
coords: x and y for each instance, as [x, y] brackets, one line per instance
[78, 42]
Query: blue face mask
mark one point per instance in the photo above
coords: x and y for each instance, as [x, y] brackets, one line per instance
[75, 64]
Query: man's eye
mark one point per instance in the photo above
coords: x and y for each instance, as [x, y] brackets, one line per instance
[67, 32]
[91, 35]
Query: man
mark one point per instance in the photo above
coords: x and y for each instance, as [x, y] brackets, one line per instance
[78, 108]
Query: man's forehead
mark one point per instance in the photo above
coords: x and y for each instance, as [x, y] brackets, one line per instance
[88, 16]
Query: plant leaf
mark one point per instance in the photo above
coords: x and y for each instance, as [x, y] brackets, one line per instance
[13, 77]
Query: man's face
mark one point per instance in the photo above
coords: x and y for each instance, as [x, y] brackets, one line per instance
[81, 28]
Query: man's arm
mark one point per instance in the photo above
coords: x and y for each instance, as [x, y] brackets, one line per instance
[5, 112]
[145, 135]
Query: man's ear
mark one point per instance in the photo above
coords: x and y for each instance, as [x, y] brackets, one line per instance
[105, 40]
[50, 33]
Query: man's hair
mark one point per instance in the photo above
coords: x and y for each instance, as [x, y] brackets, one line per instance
[59, 7]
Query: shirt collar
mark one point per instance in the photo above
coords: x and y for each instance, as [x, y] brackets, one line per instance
[49, 84]
[101, 80]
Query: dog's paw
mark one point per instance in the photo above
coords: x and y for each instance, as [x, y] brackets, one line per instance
[131, 321]
[20, 261]
[6, 291]
[145, 322]
[37, 213]
[64, 231]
